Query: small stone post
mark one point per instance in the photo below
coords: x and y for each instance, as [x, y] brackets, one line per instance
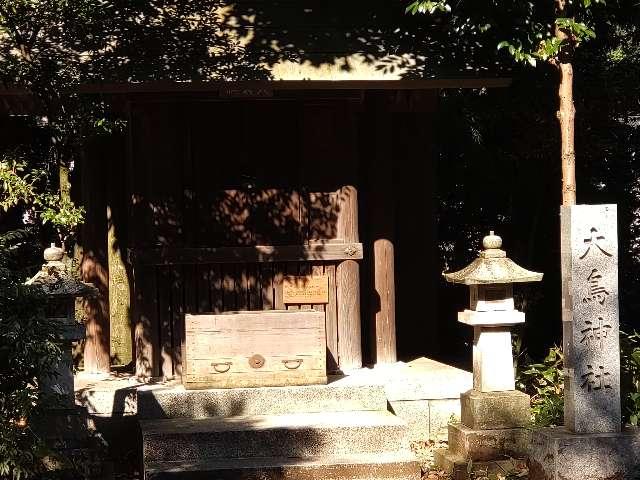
[494, 414]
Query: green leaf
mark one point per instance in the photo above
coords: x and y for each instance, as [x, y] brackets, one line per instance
[412, 8]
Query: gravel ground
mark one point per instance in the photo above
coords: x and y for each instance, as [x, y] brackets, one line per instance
[424, 452]
[508, 469]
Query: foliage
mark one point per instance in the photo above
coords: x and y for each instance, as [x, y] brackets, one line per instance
[28, 186]
[28, 354]
[630, 376]
[534, 30]
[544, 383]
[44, 49]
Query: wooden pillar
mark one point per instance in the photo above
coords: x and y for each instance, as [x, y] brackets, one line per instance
[119, 272]
[145, 326]
[92, 255]
[382, 224]
[144, 319]
[348, 285]
[96, 314]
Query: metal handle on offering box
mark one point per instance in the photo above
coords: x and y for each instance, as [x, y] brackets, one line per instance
[220, 367]
[290, 363]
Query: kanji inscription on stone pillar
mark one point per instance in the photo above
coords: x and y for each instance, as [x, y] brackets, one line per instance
[590, 318]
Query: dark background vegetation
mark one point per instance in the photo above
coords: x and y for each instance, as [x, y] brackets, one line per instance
[497, 156]
[499, 168]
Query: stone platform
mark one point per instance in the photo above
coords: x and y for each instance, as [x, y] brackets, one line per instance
[339, 431]
[556, 454]
[358, 426]
[425, 393]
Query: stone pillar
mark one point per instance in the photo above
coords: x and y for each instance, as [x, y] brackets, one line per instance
[591, 445]
[590, 318]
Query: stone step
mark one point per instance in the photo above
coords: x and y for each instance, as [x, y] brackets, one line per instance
[401, 465]
[292, 435]
[176, 402]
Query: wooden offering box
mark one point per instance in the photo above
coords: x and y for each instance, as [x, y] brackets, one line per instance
[255, 349]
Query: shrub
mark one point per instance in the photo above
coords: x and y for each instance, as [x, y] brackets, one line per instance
[545, 384]
[28, 352]
[630, 376]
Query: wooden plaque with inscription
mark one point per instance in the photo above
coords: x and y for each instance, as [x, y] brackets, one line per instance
[308, 290]
[255, 349]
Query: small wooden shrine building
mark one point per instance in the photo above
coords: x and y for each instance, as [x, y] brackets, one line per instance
[306, 149]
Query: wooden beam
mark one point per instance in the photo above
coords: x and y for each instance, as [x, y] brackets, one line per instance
[283, 85]
[315, 251]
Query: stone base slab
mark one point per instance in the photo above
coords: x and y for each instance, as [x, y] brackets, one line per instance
[495, 410]
[457, 466]
[557, 454]
[486, 445]
[427, 419]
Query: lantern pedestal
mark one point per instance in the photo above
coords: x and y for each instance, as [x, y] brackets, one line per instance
[495, 410]
[492, 422]
[62, 383]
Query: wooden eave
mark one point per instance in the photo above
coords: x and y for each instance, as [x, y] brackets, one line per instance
[198, 87]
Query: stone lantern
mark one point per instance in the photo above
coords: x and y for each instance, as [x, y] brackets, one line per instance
[493, 413]
[491, 313]
[61, 289]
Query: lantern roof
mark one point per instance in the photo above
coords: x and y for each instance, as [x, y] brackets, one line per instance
[492, 266]
[55, 279]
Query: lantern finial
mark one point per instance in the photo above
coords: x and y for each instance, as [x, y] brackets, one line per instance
[53, 253]
[56, 280]
[492, 241]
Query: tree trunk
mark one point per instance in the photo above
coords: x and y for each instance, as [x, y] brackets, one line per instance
[566, 113]
[65, 196]
[65, 182]
[566, 116]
